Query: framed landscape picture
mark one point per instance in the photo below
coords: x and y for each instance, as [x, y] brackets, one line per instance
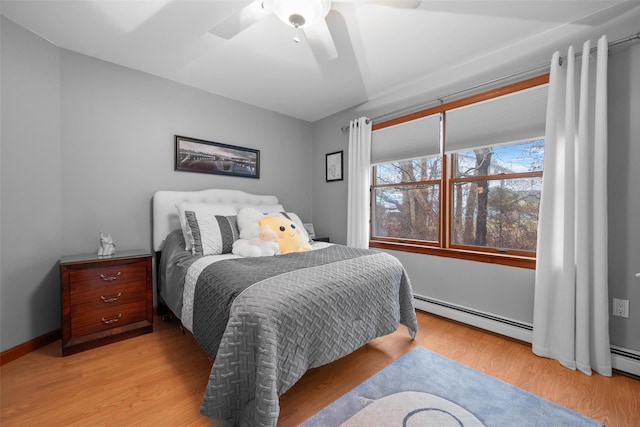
[334, 166]
[197, 155]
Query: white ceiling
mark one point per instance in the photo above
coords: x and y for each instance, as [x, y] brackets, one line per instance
[385, 53]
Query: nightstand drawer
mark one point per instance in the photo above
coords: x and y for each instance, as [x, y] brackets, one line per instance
[102, 296]
[85, 322]
[104, 279]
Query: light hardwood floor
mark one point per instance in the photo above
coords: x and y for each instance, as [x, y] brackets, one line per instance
[159, 379]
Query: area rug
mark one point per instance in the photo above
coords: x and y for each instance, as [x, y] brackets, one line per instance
[423, 388]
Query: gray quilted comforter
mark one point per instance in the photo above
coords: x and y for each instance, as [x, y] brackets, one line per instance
[268, 320]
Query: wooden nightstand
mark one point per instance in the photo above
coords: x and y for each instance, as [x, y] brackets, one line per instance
[105, 299]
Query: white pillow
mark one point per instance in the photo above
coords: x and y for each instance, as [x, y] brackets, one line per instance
[201, 210]
[263, 208]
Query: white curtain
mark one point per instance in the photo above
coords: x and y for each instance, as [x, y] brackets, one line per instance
[359, 181]
[571, 314]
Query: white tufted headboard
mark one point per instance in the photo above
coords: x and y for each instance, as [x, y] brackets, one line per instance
[165, 214]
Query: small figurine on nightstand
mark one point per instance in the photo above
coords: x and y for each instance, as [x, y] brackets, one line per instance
[107, 247]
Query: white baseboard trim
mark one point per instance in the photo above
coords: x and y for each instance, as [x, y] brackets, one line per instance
[622, 359]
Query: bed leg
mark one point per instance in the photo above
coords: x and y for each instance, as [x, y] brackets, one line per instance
[164, 312]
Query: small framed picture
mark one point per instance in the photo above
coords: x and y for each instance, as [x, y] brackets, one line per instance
[334, 166]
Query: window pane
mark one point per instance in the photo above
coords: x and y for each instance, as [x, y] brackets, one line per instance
[407, 212]
[497, 213]
[515, 158]
[423, 169]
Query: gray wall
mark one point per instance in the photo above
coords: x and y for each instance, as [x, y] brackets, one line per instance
[86, 143]
[508, 291]
[31, 210]
[624, 191]
[117, 131]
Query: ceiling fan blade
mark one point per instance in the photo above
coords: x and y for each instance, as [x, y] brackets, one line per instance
[321, 42]
[240, 20]
[398, 4]
[403, 4]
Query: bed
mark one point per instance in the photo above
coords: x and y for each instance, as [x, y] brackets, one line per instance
[266, 320]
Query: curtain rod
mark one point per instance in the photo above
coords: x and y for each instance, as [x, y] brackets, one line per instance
[440, 99]
[593, 49]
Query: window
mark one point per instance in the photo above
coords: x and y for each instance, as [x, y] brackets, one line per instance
[407, 200]
[463, 179]
[495, 194]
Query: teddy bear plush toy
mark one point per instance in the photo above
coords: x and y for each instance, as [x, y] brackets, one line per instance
[264, 244]
[255, 240]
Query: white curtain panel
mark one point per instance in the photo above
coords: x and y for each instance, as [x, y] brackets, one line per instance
[571, 315]
[359, 181]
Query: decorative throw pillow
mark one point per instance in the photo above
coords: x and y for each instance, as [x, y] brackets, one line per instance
[212, 234]
[201, 209]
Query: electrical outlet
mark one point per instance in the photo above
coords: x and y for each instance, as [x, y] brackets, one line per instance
[621, 307]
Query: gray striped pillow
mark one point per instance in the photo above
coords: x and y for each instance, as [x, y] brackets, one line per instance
[212, 234]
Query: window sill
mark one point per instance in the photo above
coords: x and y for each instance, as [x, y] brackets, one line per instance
[492, 258]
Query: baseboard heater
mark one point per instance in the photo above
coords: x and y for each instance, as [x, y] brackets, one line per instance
[500, 325]
[625, 360]
[622, 359]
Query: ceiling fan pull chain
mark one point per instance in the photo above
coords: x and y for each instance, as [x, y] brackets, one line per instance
[297, 21]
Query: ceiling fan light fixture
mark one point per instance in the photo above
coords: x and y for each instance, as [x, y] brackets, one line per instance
[301, 13]
[297, 20]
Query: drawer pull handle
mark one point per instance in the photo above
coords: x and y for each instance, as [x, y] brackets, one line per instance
[110, 278]
[112, 299]
[110, 321]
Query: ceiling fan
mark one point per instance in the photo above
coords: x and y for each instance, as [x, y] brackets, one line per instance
[306, 15]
